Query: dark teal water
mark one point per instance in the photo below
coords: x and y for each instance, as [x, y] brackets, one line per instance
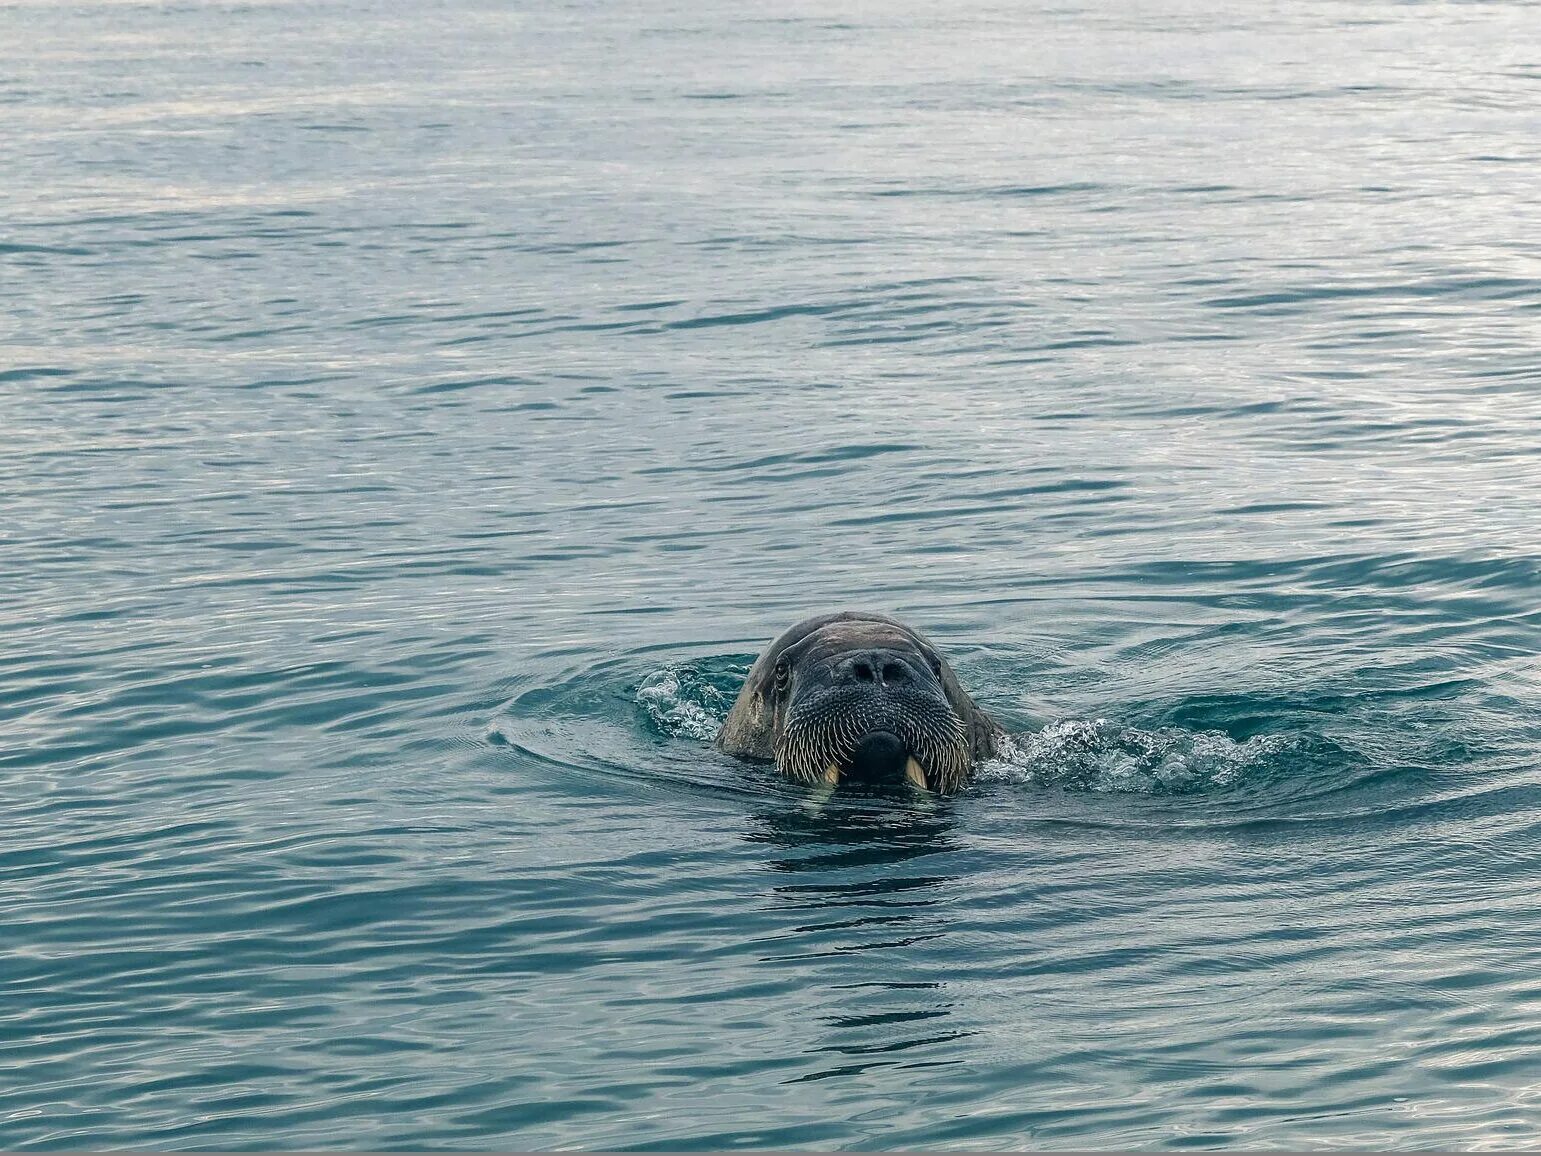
[414, 418]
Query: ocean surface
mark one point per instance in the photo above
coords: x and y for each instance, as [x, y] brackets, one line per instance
[415, 418]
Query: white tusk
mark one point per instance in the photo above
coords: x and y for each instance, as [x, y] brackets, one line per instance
[822, 790]
[915, 774]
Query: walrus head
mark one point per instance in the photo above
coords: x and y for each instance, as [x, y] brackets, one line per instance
[858, 696]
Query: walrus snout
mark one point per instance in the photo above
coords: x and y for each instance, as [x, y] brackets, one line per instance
[879, 756]
[858, 722]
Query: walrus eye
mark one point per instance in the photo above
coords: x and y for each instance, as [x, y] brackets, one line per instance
[783, 675]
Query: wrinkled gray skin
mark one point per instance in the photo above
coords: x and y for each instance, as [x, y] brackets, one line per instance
[856, 696]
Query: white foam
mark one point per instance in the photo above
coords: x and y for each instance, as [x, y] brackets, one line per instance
[1099, 755]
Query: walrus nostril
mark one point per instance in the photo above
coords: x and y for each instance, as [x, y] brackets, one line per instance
[880, 755]
[874, 668]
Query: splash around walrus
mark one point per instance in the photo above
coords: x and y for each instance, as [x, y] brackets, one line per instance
[859, 696]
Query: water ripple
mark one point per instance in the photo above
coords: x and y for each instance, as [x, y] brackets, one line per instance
[415, 421]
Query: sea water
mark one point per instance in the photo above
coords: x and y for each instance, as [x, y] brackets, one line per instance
[415, 418]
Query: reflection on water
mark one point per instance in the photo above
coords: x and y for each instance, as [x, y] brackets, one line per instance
[863, 889]
[856, 828]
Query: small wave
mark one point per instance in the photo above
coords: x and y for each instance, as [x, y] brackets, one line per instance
[1099, 755]
[683, 702]
[686, 701]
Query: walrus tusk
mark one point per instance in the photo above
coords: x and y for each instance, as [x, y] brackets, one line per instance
[915, 774]
[822, 790]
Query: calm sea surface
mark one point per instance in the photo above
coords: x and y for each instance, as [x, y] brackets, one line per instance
[413, 419]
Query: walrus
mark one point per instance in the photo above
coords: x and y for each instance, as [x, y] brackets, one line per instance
[858, 696]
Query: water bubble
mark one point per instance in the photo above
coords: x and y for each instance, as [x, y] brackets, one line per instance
[681, 703]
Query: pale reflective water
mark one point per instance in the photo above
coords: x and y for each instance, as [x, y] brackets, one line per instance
[415, 418]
